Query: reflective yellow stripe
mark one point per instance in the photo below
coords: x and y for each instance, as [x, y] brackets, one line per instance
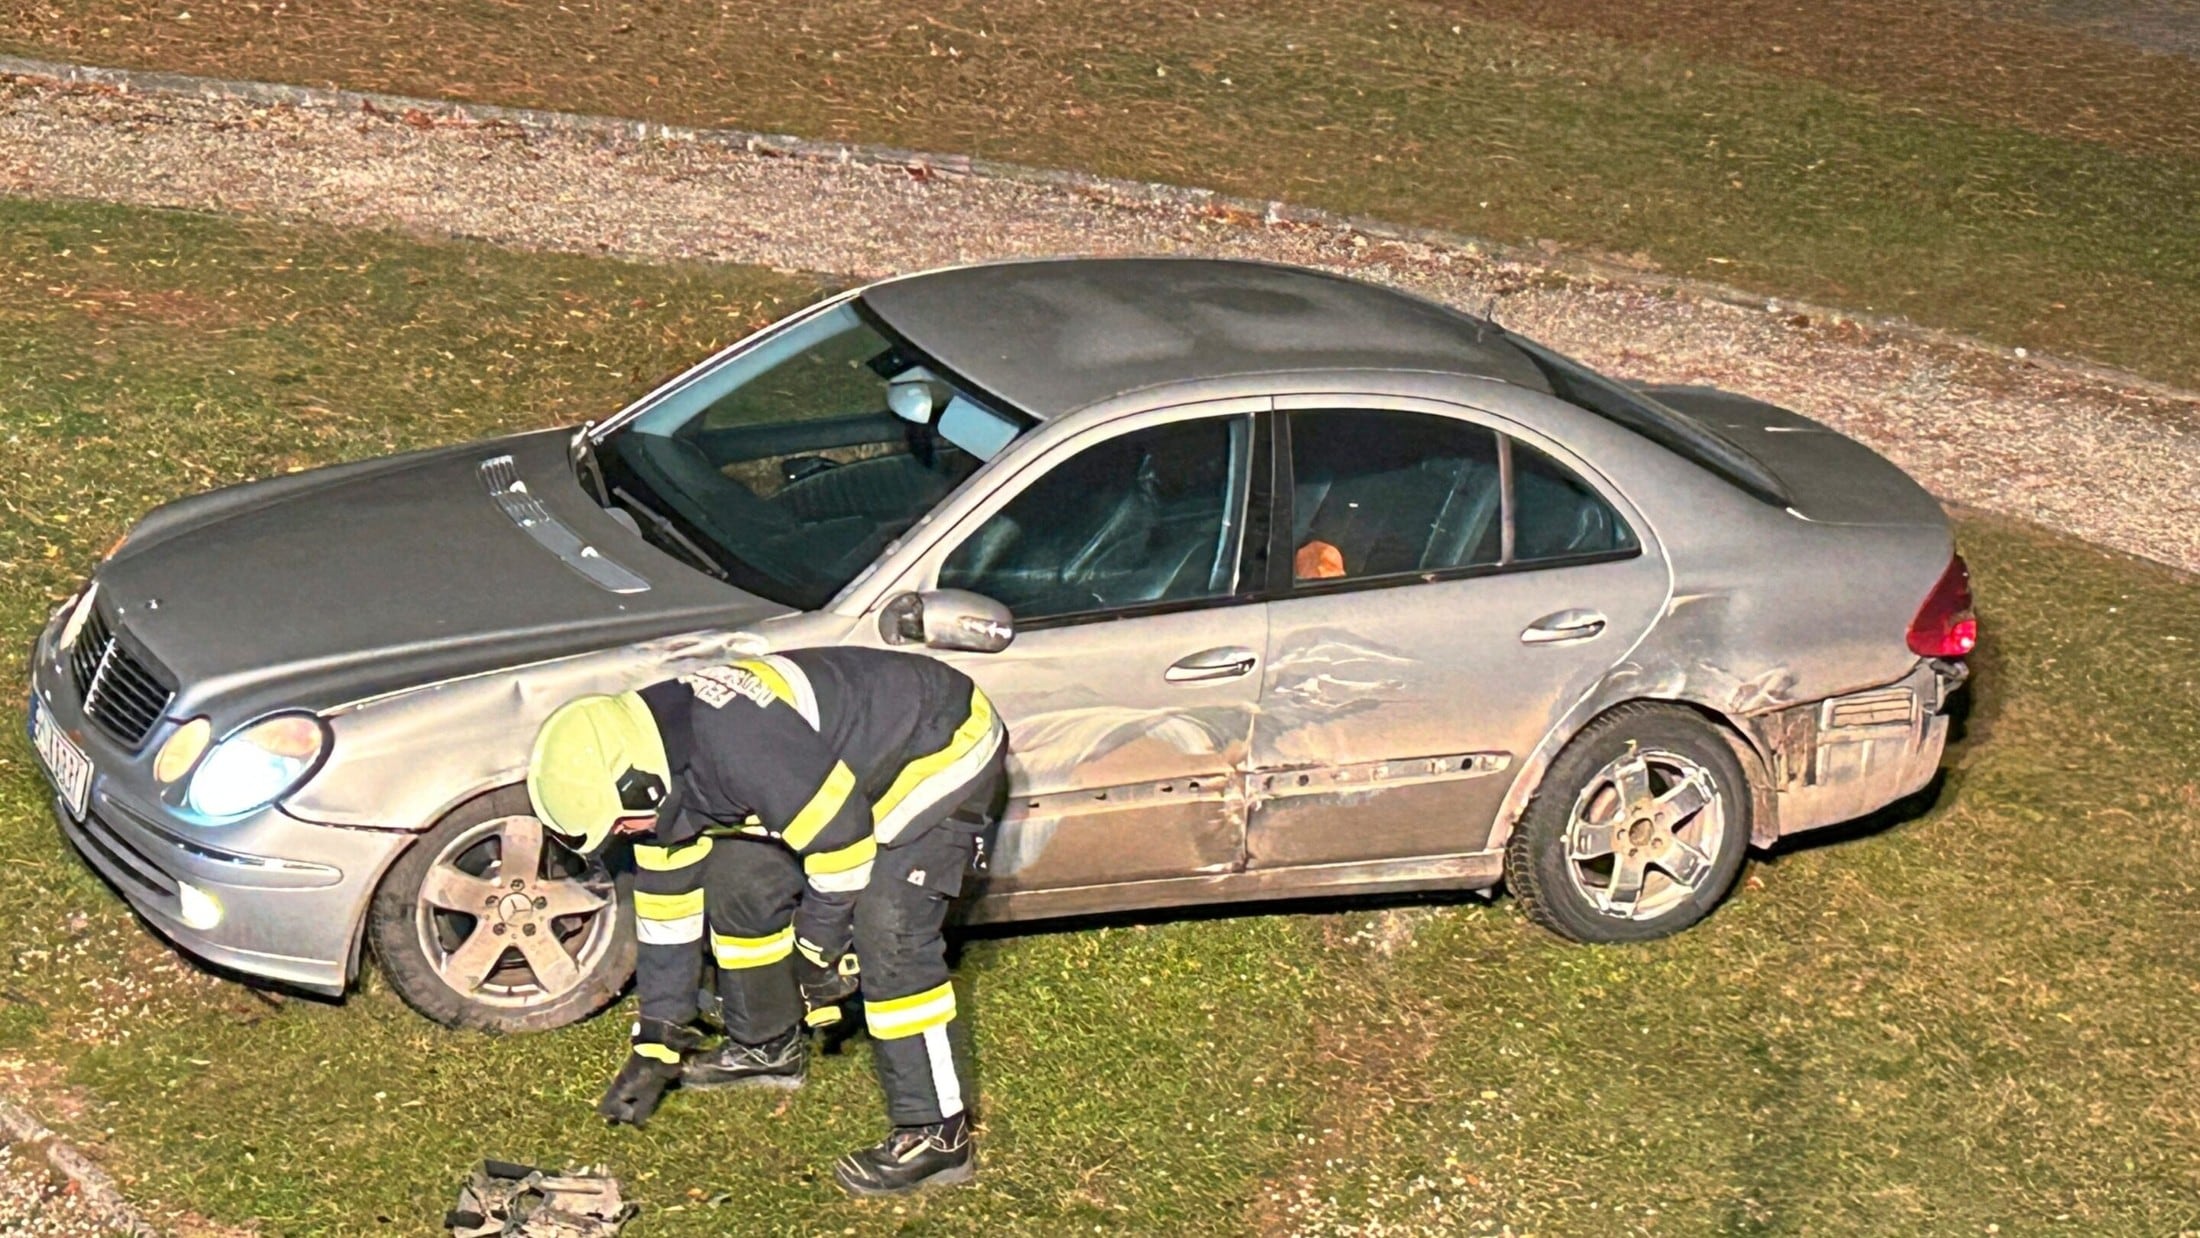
[803, 830]
[969, 735]
[784, 678]
[649, 906]
[854, 855]
[671, 859]
[908, 1016]
[734, 953]
[771, 677]
[848, 882]
[659, 1053]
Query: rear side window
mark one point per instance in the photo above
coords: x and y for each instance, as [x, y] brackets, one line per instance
[1387, 493]
[1556, 515]
[1380, 493]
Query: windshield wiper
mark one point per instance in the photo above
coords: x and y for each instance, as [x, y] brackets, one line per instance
[693, 553]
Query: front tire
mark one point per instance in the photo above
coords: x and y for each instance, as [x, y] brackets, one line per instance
[1638, 830]
[486, 922]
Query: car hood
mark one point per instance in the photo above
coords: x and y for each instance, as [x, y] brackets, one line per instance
[325, 587]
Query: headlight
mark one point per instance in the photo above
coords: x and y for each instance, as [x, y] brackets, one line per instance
[182, 750]
[254, 767]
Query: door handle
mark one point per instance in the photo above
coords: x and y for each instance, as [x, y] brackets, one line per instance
[1223, 662]
[1565, 625]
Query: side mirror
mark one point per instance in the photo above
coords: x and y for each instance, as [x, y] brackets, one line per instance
[947, 619]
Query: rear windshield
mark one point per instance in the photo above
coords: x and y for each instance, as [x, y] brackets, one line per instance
[1678, 433]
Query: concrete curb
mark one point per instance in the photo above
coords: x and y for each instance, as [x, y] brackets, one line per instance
[98, 1190]
[613, 130]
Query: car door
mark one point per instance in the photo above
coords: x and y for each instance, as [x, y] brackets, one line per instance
[1443, 592]
[1130, 690]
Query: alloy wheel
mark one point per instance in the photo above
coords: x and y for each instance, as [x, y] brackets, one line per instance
[1643, 832]
[509, 917]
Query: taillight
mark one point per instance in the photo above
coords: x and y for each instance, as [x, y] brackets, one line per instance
[1945, 627]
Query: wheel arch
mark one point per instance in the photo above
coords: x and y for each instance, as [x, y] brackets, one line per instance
[359, 916]
[1748, 749]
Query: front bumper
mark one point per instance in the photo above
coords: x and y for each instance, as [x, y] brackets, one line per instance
[1849, 756]
[291, 893]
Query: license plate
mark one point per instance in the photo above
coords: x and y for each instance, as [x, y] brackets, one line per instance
[66, 763]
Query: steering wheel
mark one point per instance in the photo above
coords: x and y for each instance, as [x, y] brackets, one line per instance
[728, 504]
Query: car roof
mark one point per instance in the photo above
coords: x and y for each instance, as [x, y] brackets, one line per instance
[1054, 335]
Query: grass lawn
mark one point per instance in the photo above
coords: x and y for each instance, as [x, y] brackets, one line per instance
[1986, 1015]
[2027, 183]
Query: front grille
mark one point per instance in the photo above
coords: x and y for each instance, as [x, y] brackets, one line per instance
[120, 692]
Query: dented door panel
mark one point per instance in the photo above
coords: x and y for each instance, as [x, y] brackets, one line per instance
[1323, 815]
[1119, 773]
[1391, 679]
[1127, 735]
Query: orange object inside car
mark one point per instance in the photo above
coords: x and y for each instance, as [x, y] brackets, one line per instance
[1317, 560]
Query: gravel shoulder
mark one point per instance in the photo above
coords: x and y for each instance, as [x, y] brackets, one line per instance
[2107, 457]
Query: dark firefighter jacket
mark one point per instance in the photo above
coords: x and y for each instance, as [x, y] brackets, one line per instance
[833, 752]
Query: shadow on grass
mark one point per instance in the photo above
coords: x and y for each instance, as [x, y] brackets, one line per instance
[1328, 904]
[1909, 808]
[973, 981]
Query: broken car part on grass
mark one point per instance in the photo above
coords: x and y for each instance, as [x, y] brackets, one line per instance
[503, 1200]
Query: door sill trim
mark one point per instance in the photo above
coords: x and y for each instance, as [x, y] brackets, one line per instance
[1471, 871]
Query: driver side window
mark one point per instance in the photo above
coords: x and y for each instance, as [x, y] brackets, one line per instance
[1151, 516]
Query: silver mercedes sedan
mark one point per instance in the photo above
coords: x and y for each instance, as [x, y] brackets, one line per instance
[1286, 585]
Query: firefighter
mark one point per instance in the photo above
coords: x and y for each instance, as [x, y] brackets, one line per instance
[809, 810]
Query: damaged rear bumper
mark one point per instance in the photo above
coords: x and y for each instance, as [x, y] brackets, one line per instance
[1848, 756]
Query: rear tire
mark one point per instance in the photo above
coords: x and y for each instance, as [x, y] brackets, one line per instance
[1639, 828]
[434, 919]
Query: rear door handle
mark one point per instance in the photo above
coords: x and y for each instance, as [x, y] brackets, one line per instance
[1566, 625]
[1223, 662]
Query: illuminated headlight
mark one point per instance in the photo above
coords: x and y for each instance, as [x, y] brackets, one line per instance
[255, 766]
[197, 908]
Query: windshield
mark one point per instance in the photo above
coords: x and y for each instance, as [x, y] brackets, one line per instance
[789, 466]
[1684, 436]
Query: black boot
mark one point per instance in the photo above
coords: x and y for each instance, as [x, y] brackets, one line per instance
[778, 1064]
[911, 1158]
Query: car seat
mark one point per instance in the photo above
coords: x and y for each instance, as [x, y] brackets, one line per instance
[1466, 530]
[1382, 522]
[1111, 554]
[1557, 519]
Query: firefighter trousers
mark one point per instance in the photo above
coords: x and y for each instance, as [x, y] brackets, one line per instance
[753, 886]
